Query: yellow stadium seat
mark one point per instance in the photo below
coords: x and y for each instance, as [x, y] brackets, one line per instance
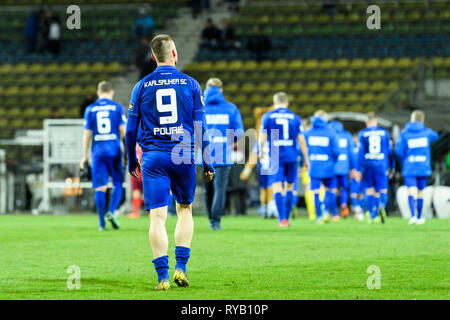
[361, 86]
[357, 63]
[351, 97]
[266, 65]
[312, 86]
[356, 108]
[367, 97]
[6, 68]
[98, 67]
[342, 63]
[250, 65]
[12, 91]
[404, 62]
[235, 65]
[220, 65]
[329, 86]
[82, 67]
[75, 90]
[27, 91]
[437, 62]
[248, 87]
[296, 64]
[308, 109]
[256, 99]
[373, 63]
[263, 87]
[340, 108]
[36, 68]
[378, 86]
[295, 87]
[311, 64]
[326, 64]
[281, 64]
[280, 86]
[447, 62]
[302, 98]
[113, 67]
[319, 98]
[388, 63]
[51, 68]
[67, 68]
[334, 98]
[21, 68]
[231, 87]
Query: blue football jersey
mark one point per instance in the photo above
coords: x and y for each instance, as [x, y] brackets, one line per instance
[413, 149]
[166, 101]
[375, 148]
[104, 117]
[282, 127]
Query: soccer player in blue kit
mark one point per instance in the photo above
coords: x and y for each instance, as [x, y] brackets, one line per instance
[281, 128]
[345, 164]
[167, 109]
[373, 160]
[104, 124]
[322, 149]
[413, 150]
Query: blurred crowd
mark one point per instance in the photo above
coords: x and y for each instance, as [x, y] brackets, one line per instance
[43, 32]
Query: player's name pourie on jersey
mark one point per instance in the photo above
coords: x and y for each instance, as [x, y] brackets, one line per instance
[165, 82]
[168, 130]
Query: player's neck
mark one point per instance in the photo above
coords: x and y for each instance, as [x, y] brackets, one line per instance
[166, 64]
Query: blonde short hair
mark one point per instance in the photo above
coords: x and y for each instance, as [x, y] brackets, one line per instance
[162, 45]
[214, 82]
[280, 98]
[104, 87]
[418, 115]
[371, 116]
[322, 114]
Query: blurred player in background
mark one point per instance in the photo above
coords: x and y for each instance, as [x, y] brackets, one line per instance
[413, 150]
[322, 155]
[373, 159]
[268, 208]
[167, 106]
[344, 163]
[225, 127]
[356, 186]
[136, 189]
[281, 128]
[104, 124]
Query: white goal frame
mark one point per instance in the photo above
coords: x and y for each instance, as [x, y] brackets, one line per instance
[68, 149]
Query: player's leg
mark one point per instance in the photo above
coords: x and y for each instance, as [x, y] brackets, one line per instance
[343, 190]
[136, 202]
[309, 196]
[220, 192]
[276, 181]
[183, 189]
[263, 202]
[290, 177]
[156, 183]
[421, 184]
[184, 231]
[115, 170]
[99, 182]
[209, 193]
[411, 184]
[372, 196]
[315, 188]
[331, 197]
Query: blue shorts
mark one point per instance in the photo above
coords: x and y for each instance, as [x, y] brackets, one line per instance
[375, 178]
[342, 181]
[355, 186]
[263, 178]
[104, 167]
[330, 183]
[418, 182]
[160, 175]
[287, 172]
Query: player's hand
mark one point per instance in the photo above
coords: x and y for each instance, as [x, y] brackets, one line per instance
[83, 163]
[305, 165]
[209, 172]
[358, 176]
[245, 174]
[135, 173]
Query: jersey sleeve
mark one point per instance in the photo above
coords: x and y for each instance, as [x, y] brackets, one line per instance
[264, 122]
[87, 119]
[433, 135]
[134, 108]
[400, 148]
[121, 114]
[238, 125]
[299, 126]
[390, 151]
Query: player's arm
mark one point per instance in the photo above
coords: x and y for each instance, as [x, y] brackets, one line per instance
[131, 131]
[304, 149]
[262, 138]
[200, 133]
[251, 163]
[87, 136]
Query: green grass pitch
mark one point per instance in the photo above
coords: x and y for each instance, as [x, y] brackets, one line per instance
[251, 259]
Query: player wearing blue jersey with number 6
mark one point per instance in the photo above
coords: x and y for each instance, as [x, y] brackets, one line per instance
[104, 124]
[281, 128]
[413, 150]
[167, 109]
[374, 161]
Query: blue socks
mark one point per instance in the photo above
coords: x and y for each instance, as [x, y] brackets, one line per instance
[333, 203]
[412, 205]
[116, 196]
[419, 207]
[288, 202]
[279, 200]
[162, 267]
[344, 196]
[372, 206]
[317, 205]
[383, 200]
[182, 255]
[100, 204]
